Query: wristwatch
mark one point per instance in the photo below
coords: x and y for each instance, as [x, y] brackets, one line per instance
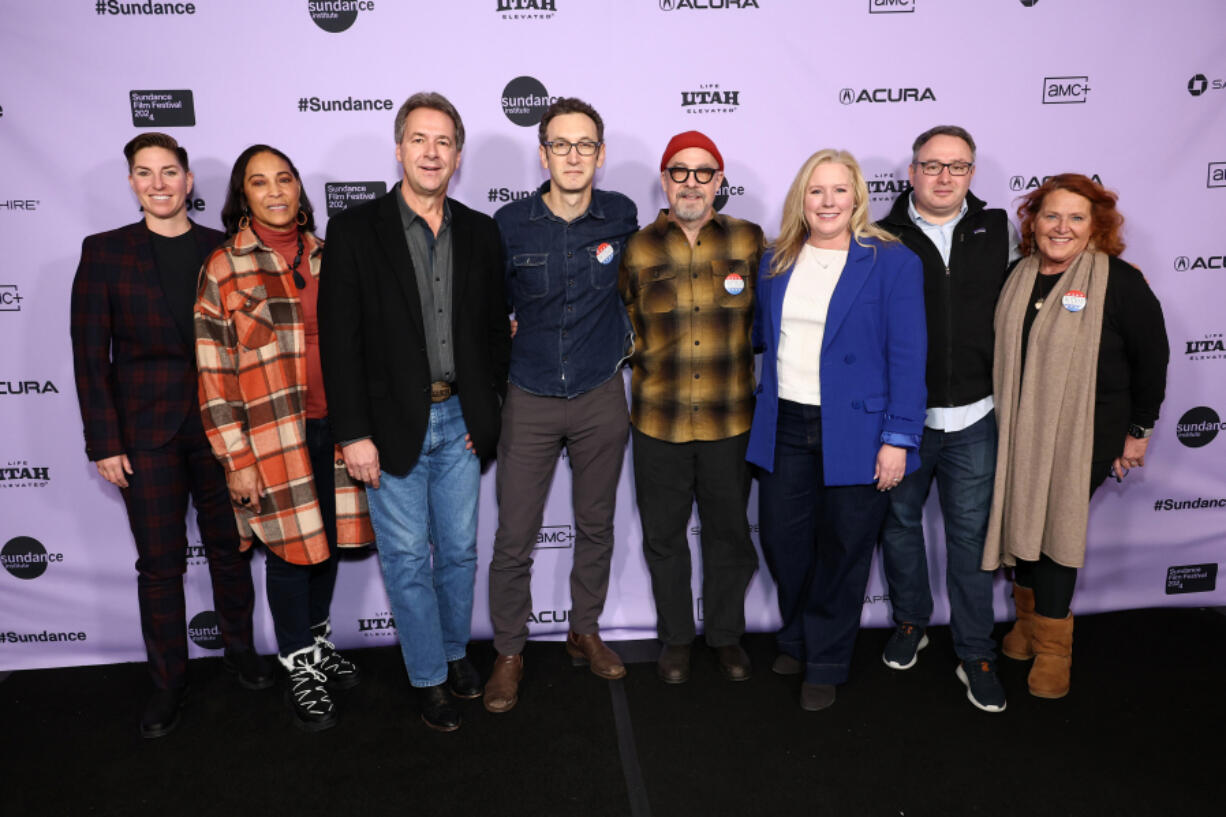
[1139, 432]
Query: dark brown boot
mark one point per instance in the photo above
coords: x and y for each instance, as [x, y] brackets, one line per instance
[1018, 643]
[502, 689]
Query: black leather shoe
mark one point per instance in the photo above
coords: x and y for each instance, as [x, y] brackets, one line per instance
[673, 666]
[436, 709]
[816, 697]
[254, 671]
[734, 662]
[161, 714]
[463, 679]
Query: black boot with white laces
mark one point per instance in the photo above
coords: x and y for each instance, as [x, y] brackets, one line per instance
[307, 693]
[341, 672]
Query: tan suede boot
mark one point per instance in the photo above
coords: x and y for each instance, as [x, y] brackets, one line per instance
[1053, 648]
[1018, 643]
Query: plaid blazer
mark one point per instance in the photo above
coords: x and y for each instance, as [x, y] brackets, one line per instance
[135, 373]
[251, 352]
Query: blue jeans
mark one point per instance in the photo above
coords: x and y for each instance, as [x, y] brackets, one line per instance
[818, 541]
[435, 503]
[964, 466]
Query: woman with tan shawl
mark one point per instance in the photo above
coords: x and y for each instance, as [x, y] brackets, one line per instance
[1080, 372]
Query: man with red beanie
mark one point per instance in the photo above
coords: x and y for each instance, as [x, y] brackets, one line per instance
[688, 283]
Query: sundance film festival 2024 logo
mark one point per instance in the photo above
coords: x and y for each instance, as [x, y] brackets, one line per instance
[340, 196]
[25, 557]
[524, 101]
[1191, 578]
[526, 9]
[335, 16]
[163, 109]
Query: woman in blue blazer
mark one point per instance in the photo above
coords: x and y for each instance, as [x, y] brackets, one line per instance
[839, 319]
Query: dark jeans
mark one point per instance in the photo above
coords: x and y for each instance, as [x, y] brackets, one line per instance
[818, 541]
[668, 478]
[963, 463]
[301, 595]
[156, 499]
[1053, 583]
[593, 428]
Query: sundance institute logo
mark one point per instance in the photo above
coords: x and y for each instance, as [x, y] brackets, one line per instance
[26, 558]
[524, 101]
[1198, 426]
[204, 630]
[335, 16]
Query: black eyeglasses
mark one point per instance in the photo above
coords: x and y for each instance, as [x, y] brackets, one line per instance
[702, 175]
[934, 168]
[560, 147]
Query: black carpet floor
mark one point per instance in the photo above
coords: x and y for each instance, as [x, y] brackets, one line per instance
[1142, 732]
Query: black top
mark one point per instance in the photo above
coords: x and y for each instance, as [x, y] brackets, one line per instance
[178, 260]
[1132, 355]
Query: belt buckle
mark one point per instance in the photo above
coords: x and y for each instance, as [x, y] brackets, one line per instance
[440, 390]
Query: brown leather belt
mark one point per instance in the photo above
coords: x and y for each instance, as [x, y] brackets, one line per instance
[440, 390]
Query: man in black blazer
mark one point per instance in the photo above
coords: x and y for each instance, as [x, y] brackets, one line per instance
[415, 345]
[134, 355]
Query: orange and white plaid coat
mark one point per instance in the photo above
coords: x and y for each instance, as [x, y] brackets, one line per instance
[251, 352]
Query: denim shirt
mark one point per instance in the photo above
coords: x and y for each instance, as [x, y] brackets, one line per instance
[562, 285]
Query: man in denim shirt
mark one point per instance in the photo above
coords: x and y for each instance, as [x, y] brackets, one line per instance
[562, 248]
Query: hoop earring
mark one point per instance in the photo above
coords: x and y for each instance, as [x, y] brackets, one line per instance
[302, 218]
[243, 222]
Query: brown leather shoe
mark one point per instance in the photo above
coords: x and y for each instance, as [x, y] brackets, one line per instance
[673, 666]
[502, 689]
[734, 662]
[589, 649]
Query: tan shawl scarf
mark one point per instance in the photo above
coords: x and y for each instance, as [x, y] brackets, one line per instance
[1046, 417]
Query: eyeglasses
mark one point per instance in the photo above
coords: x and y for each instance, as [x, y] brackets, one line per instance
[934, 168]
[702, 175]
[561, 147]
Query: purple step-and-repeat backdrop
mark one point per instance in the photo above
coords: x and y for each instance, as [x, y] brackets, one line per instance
[1132, 92]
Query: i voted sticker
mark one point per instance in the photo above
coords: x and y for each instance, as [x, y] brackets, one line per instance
[1074, 300]
[604, 253]
[734, 284]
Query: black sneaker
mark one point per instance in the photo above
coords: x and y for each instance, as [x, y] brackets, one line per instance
[307, 693]
[983, 688]
[902, 649]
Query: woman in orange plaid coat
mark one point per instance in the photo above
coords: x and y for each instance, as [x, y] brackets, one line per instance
[265, 412]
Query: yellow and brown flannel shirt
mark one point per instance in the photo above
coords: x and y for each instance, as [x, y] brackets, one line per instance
[691, 309]
[251, 352]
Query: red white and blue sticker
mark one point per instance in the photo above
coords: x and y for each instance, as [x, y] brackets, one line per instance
[734, 284]
[605, 253]
[1074, 300]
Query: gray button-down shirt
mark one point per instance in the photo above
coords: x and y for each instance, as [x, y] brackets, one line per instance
[431, 257]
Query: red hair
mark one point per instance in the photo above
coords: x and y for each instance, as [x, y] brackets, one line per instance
[1106, 222]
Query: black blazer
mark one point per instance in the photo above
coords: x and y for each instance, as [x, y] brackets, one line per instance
[135, 369]
[372, 340]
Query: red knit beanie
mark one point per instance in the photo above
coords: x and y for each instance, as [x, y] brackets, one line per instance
[690, 139]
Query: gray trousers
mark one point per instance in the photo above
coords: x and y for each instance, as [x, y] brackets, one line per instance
[593, 427]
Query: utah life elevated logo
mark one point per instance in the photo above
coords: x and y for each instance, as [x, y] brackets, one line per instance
[380, 625]
[710, 98]
[1210, 347]
[885, 187]
[527, 9]
[20, 474]
[335, 16]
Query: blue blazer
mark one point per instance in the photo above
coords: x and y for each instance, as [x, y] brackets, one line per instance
[872, 362]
